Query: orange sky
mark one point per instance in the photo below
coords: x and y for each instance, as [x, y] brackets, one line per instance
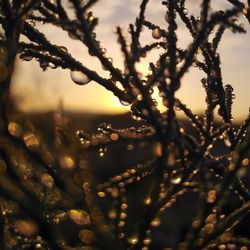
[37, 90]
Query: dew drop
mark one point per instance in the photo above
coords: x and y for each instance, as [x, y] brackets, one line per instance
[157, 149]
[87, 237]
[31, 141]
[15, 129]
[90, 17]
[47, 180]
[121, 184]
[43, 65]
[110, 60]
[136, 117]
[167, 17]
[139, 97]
[114, 193]
[171, 160]
[52, 65]
[114, 137]
[227, 142]
[209, 228]
[130, 147]
[245, 162]
[241, 172]
[196, 223]
[112, 214]
[151, 91]
[121, 224]
[156, 222]
[185, 11]
[175, 180]
[147, 201]
[211, 196]
[147, 241]
[38, 245]
[124, 103]
[26, 227]
[211, 218]
[124, 206]
[156, 33]
[123, 215]
[102, 151]
[203, 81]
[25, 57]
[59, 217]
[67, 162]
[166, 72]
[103, 50]
[101, 194]
[245, 11]
[72, 35]
[64, 49]
[78, 77]
[133, 240]
[80, 217]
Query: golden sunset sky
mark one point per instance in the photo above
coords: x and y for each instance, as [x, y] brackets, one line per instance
[39, 91]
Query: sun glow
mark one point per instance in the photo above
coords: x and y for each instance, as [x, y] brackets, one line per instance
[116, 106]
[44, 91]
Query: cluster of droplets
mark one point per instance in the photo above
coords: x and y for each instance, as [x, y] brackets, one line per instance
[243, 170]
[82, 220]
[106, 134]
[118, 213]
[35, 179]
[25, 57]
[126, 178]
[23, 232]
[30, 139]
[229, 96]
[210, 223]
[102, 151]
[133, 240]
[169, 201]
[44, 64]
[224, 136]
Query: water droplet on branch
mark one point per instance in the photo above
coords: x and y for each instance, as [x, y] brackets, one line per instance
[156, 222]
[47, 180]
[31, 141]
[185, 11]
[156, 33]
[124, 103]
[26, 227]
[87, 236]
[67, 162]
[79, 78]
[25, 57]
[15, 129]
[80, 217]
